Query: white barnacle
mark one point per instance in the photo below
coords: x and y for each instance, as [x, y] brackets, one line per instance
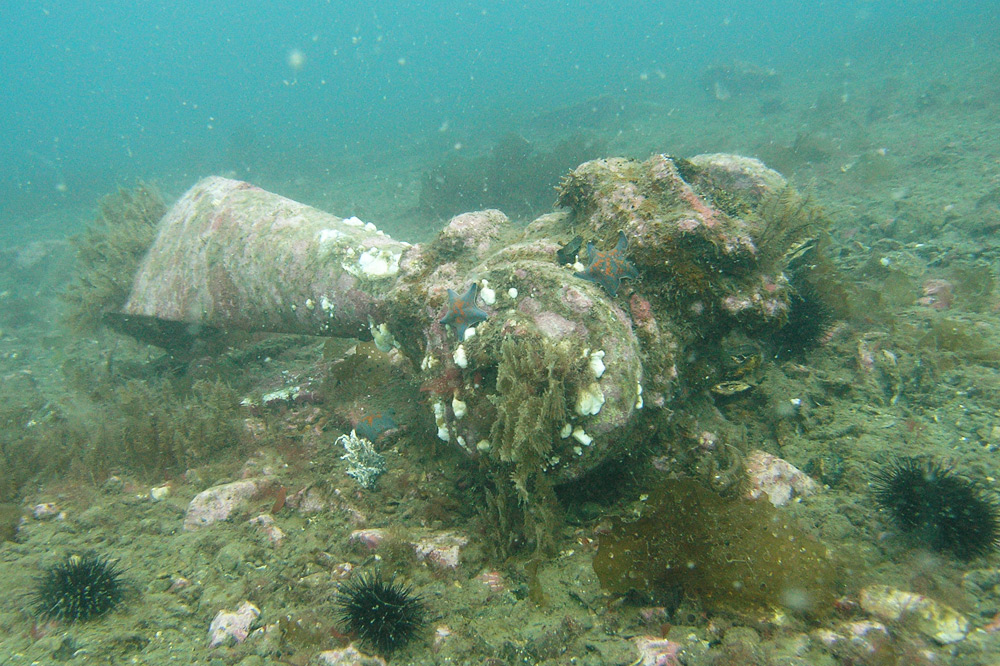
[597, 363]
[441, 421]
[590, 399]
[487, 293]
[458, 407]
[378, 263]
[461, 360]
[580, 435]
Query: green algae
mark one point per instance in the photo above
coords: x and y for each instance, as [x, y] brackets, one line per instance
[530, 404]
[109, 252]
[730, 554]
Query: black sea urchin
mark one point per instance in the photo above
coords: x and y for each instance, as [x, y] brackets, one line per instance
[809, 317]
[81, 587]
[382, 613]
[946, 511]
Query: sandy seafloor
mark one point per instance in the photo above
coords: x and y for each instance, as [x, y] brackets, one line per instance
[905, 158]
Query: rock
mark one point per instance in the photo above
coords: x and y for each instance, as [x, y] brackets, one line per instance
[307, 501]
[851, 638]
[937, 294]
[369, 538]
[442, 633]
[159, 493]
[349, 656]
[475, 232]
[776, 478]
[493, 580]
[656, 651]
[47, 510]
[265, 523]
[941, 623]
[442, 550]
[219, 502]
[230, 627]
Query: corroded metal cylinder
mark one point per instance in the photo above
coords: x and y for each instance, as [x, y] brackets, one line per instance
[229, 255]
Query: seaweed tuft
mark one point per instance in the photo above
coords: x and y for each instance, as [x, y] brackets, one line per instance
[108, 254]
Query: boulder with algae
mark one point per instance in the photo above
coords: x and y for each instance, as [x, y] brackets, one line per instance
[551, 383]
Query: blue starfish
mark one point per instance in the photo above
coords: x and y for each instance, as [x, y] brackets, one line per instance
[373, 425]
[607, 268]
[462, 310]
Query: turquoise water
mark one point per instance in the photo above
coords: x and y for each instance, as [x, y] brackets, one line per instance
[99, 94]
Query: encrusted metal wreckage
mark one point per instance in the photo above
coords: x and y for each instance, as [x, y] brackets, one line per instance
[568, 362]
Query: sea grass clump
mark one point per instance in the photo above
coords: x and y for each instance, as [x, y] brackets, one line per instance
[155, 431]
[108, 254]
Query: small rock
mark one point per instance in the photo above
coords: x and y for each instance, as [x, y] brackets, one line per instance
[265, 522]
[493, 580]
[219, 502]
[851, 638]
[232, 626]
[307, 501]
[656, 651]
[442, 633]
[349, 656]
[776, 478]
[653, 616]
[158, 493]
[369, 538]
[941, 623]
[114, 484]
[938, 294]
[178, 583]
[47, 510]
[443, 550]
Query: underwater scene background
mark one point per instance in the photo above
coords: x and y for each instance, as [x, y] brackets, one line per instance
[500, 333]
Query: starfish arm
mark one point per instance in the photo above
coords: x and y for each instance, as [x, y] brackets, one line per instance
[449, 316]
[469, 297]
[622, 242]
[610, 284]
